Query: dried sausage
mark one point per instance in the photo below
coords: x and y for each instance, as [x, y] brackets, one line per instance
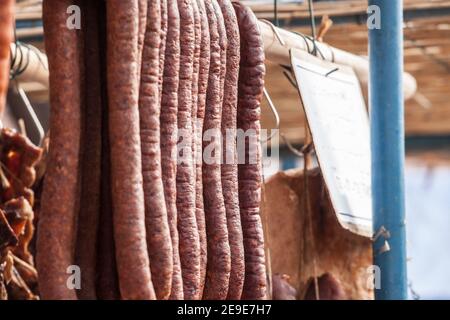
[219, 261]
[86, 246]
[162, 44]
[251, 84]
[187, 225]
[57, 223]
[126, 170]
[169, 129]
[107, 277]
[229, 171]
[158, 234]
[142, 25]
[201, 102]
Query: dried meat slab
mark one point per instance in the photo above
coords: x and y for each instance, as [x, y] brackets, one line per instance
[18, 156]
[7, 235]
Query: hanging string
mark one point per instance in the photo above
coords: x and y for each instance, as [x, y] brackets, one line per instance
[306, 150]
[315, 49]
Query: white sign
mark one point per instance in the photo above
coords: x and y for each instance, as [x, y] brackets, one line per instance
[339, 124]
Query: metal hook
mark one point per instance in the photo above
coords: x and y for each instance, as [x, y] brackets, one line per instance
[382, 232]
[275, 113]
[275, 30]
[305, 39]
[291, 148]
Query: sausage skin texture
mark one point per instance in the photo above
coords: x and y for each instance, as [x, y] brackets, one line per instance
[162, 44]
[187, 225]
[157, 227]
[86, 246]
[169, 130]
[6, 37]
[195, 77]
[201, 102]
[219, 260]
[126, 170]
[196, 144]
[57, 223]
[142, 25]
[107, 278]
[229, 170]
[251, 85]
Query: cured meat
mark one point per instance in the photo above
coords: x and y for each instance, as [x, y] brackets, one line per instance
[169, 130]
[187, 225]
[282, 290]
[329, 288]
[229, 170]
[142, 25]
[201, 103]
[126, 169]
[251, 85]
[86, 246]
[162, 44]
[107, 277]
[57, 221]
[219, 260]
[157, 227]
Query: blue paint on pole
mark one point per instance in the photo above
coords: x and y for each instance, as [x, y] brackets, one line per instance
[388, 150]
[288, 159]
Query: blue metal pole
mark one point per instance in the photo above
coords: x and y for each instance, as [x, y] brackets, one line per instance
[388, 150]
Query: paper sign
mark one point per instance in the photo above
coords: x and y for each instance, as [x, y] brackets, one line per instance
[339, 124]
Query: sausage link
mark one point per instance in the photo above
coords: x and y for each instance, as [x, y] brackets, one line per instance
[251, 84]
[107, 277]
[157, 227]
[162, 44]
[126, 170]
[201, 102]
[219, 260]
[187, 224]
[229, 170]
[195, 76]
[57, 223]
[86, 246]
[169, 130]
[142, 25]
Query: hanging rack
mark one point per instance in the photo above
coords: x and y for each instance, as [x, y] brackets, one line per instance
[278, 53]
[28, 64]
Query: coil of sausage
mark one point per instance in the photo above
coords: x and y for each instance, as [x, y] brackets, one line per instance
[57, 223]
[201, 103]
[107, 285]
[158, 234]
[187, 224]
[169, 130]
[229, 167]
[126, 170]
[251, 84]
[86, 246]
[219, 260]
